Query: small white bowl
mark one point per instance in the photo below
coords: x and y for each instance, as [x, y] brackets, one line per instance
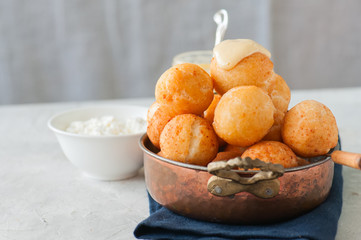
[101, 157]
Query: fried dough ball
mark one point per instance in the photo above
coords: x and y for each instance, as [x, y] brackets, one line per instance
[209, 112]
[160, 154]
[278, 90]
[243, 116]
[187, 87]
[255, 69]
[274, 152]
[280, 94]
[302, 162]
[157, 117]
[251, 70]
[274, 134]
[233, 148]
[209, 115]
[310, 129]
[190, 139]
[224, 156]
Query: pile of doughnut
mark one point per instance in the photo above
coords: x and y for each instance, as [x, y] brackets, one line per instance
[239, 109]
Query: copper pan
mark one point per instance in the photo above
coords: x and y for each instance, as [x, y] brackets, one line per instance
[186, 190]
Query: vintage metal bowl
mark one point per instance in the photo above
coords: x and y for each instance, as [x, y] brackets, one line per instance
[195, 191]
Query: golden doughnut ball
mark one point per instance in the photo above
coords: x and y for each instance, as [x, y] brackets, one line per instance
[310, 129]
[274, 134]
[189, 139]
[278, 90]
[233, 148]
[257, 70]
[157, 117]
[209, 112]
[187, 87]
[225, 156]
[251, 70]
[273, 152]
[160, 154]
[209, 115]
[243, 116]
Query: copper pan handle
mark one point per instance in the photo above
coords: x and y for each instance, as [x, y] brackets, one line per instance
[347, 158]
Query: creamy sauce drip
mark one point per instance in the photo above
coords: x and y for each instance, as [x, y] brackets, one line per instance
[230, 52]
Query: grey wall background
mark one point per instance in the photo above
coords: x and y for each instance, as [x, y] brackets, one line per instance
[75, 50]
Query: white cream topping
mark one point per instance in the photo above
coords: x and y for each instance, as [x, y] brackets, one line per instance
[108, 126]
[230, 52]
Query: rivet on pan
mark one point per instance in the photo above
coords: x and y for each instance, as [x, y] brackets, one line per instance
[269, 191]
[218, 189]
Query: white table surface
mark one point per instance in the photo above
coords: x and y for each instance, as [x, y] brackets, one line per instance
[44, 197]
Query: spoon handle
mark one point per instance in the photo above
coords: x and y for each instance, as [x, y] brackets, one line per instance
[221, 19]
[348, 159]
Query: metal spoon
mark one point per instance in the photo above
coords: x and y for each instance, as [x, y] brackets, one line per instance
[221, 19]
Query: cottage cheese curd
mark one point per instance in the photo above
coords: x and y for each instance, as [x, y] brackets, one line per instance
[108, 126]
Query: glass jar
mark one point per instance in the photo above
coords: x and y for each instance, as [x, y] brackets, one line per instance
[202, 58]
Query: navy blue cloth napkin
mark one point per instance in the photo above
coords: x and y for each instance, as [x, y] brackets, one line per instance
[319, 224]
